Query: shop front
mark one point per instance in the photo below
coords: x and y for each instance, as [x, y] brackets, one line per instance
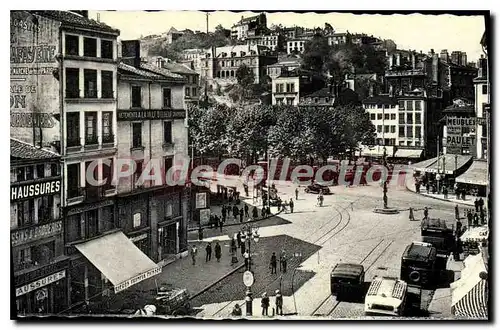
[476, 177]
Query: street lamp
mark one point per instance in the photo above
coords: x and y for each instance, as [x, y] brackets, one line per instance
[297, 255]
[248, 233]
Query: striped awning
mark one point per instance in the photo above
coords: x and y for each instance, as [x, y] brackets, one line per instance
[445, 164]
[477, 174]
[474, 304]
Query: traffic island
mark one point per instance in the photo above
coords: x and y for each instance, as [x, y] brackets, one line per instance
[386, 210]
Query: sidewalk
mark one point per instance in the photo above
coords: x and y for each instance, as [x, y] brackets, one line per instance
[469, 199]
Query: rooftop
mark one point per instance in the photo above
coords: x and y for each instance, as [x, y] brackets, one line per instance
[149, 71]
[76, 20]
[22, 150]
[380, 99]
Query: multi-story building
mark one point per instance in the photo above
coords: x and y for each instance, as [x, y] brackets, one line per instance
[153, 136]
[36, 229]
[273, 41]
[339, 39]
[173, 35]
[249, 27]
[363, 39]
[191, 88]
[193, 58]
[220, 64]
[414, 120]
[461, 109]
[289, 86]
[288, 63]
[481, 104]
[296, 46]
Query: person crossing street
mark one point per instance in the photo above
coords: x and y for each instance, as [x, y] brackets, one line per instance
[208, 249]
[291, 205]
[273, 263]
[218, 251]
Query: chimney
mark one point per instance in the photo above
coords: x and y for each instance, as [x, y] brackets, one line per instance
[131, 52]
[435, 68]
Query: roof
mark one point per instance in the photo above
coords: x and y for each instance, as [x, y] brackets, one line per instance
[455, 108]
[178, 68]
[23, 150]
[348, 269]
[236, 49]
[174, 30]
[380, 99]
[418, 251]
[149, 71]
[76, 20]
[323, 92]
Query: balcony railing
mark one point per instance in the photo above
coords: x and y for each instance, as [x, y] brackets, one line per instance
[90, 94]
[91, 140]
[107, 94]
[108, 138]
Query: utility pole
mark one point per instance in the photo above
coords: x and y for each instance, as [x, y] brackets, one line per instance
[206, 76]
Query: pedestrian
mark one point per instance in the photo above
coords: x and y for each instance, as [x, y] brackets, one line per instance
[224, 212]
[236, 310]
[263, 212]
[238, 239]
[426, 212]
[246, 256]
[273, 263]
[283, 262]
[225, 193]
[255, 213]
[469, 218]
[221, 224]
[218, 251]
[243, 248]
[482, 216]
[279, 303]
[417, 187]
[463, 194]
[457, 212]
[427, 187]
[194, 252]
[476, 204]
[297, 194]
[457, 192]
[242, 212]
[265, 304]
[459, 228]
[208, 249]
[246, 210]
[291, 205]
[481, 203]
[476, 220]
[321, 198]
[445, 192]
[411, 216]
[236, 212]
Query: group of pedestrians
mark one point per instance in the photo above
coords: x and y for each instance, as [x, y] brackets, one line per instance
[208, 249]
[264, 303]
[274, 262]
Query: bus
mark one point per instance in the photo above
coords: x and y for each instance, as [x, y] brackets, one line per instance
[386, 297]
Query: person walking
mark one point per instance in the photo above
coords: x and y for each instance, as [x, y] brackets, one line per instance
[236, 212]
[246, 210]
[476, 220]
[194, 252]
[426, 212]
[445, 192]
[236, 310]
[457, 212]
[242, 212]
[223, 212]
[296, 194]
[265, 304]
[469, 218]
[263, 212]
[481, 203]
[279, 303]
[273, 263]
[291, 205]
[218, 251]
[208, 249]
[427, 187]
[476, 204]
[221, 224]
[255, 213]
[238, 239]
[411, 216]
[283, 261]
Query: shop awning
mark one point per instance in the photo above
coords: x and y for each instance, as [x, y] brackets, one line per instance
[475, 234]
[469, 294]
[119, 260]
[476, 174]
[408, 153]
[447, 164]
[377, 151]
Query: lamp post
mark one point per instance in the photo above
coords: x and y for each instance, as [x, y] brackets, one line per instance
[297, 255]
[248, 233]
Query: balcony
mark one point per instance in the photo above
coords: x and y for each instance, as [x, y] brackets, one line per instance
[90, 94]
[91, 142]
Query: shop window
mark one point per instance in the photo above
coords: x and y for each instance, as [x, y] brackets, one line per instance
[107, 49]
[90, 47]
[107, 84]
[73, 129]
[71, 45]
[136, 96]
[90, 83]
[72, 82]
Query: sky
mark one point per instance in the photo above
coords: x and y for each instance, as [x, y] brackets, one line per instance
[416, 31]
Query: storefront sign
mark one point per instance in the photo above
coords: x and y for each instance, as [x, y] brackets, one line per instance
[35, 233]
[89, 207]
[40, 283]
[40, 272]
[126, 115]
[205, 216]
[134, 280]
[461, 122]
[33, 190]
[138, 238]
[459, 140]
[201, 200]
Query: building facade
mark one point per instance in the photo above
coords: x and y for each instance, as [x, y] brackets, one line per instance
[193, 58]
[290, 86]
[192, 88]
[249, 27]
[339, 39]
[481, 102]
[273, 41]
[296, 46]
[40, 266]
[288, 63]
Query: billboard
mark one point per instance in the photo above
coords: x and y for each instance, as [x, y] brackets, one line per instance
[34, 88]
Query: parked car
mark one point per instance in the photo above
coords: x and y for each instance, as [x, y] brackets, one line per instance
[316, 188]
[347, 281]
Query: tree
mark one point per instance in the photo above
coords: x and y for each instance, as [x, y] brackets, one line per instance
[316, 52]
[245, 76]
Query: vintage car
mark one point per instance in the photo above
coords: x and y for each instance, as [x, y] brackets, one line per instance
[418, 264]
[440, 235]
[172, 301]
[386, 297]
[316, 188]
[347, 281]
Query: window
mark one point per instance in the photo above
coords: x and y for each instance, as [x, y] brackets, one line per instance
[168, 163]
[418, 132]
[379, 128]
[222, 63]
[90, 127]
[417, 143]
[485, 89]
[401, 131]
[408, 143]
[279, 101]
[393, 129]
[379, 116]
[72, 45]
[401, 105]
[373, 116]
[73, 179]
[316, 100]
[137, 173]
[90, 47]
[290, 88]
[409, 118]
[54, 170]
[25, 212]
[90, 83]
[136, 96]
[73, 129]
[418, 118]
[232, 73]
[409, 105]
[107, 174]
[107, 127]
[167, 98]
[40, 171]
[386, 129]
[72, 83]
[187, 92]
[289, 101]
[167, 132]
[418, 105]
[401, 143]
[91, 222]
[393, 116]
[409, 131]
[195, 79]
[45, 207]
[386, 116]
[194, 91]
[107, 84]
[379, 106]
[136, 135]
[107, 49]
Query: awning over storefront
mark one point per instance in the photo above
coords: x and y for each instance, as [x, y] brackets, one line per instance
[446, 164]
[475, 234]
[377, 151]
[476, 174]
[119, 260]
[469, 294]
[408, 153]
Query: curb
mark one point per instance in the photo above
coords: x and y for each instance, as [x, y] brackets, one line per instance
[440, 199]
[217, 281]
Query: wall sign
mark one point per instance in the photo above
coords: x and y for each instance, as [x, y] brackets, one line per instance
[205, 216]
[34, 190]
[201, 200]
[40, 272]
[40, 283]
[141, 277]
[23, 236]
[128, 115]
